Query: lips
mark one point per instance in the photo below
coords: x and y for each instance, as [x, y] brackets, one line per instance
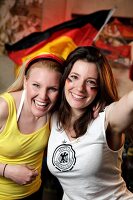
[77, 97]
[40, 104]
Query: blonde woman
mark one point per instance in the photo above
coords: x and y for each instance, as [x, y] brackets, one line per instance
[25, 110]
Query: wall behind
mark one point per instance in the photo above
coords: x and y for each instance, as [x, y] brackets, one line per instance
[55, 13]
[124, 7]
[7, 72]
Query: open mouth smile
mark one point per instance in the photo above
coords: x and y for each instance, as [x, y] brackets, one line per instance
[77, 97]
[40, 104]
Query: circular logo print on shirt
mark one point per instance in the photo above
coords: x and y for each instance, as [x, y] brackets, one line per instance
[64, 157]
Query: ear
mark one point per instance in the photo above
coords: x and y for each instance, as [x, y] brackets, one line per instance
[25, 82]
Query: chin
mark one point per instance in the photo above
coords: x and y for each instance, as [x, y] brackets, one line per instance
[40, 114]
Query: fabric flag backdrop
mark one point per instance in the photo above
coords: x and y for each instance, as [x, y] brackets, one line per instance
[60, 39]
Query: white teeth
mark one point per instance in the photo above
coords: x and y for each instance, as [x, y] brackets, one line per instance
[77, 96]
[40, 103]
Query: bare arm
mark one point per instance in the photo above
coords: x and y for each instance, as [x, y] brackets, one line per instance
[20, 174]
[3, 113]
[119, 117]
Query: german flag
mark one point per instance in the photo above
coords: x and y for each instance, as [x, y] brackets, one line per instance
[60, 39]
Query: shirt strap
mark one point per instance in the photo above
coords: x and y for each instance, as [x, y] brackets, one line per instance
[21, 104]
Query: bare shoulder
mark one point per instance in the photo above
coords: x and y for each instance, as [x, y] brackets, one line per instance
[3, 107]
[3, 112]
[17, 97]
[108, 111]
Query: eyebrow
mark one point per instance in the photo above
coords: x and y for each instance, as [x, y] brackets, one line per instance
[79, 75]
[92, 78]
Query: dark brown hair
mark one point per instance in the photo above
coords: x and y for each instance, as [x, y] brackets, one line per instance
[107, 92]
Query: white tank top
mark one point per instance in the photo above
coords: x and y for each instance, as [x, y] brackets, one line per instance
[86, 167]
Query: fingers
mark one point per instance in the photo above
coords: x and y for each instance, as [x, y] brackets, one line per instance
[34, 171]
[29, 181]
[31, 175]
[29, 167]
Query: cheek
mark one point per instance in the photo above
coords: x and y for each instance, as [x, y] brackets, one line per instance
[68, 86]
[30, 92]
[92, 92]
[66, 89]
[54, 96]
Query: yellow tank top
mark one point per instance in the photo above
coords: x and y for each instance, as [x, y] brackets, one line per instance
[18, 148]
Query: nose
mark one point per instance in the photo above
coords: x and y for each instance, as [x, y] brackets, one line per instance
[81, 86]
[43, 94]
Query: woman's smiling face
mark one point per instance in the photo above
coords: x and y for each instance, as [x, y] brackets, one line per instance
[42, 88]
[81, 85]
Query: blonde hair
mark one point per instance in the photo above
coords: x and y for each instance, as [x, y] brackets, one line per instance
[18, 83]
[48, 60]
